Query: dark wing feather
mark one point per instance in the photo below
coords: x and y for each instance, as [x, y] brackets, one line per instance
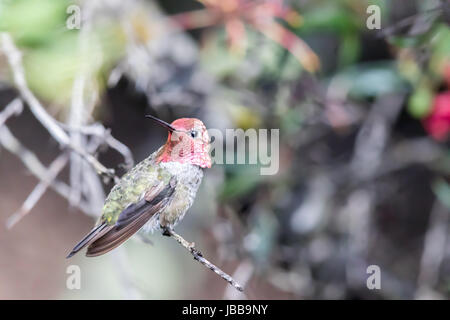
[104, 237]
[156, 195]
[88, 238]
[116, 236]
[132, 219]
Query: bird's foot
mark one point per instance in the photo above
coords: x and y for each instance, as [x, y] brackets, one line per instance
[166, 231]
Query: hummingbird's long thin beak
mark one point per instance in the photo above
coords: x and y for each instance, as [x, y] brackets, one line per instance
[162, 123]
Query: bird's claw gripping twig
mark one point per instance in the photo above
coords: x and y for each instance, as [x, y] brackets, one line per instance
[166, 231]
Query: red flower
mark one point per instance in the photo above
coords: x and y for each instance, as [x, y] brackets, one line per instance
[437, 123]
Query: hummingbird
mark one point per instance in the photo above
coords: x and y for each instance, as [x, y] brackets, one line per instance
[157, 192]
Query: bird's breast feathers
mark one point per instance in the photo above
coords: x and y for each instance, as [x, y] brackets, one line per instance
[189, 178]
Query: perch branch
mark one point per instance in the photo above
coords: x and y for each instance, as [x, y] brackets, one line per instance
[199, 257]
[243, 273]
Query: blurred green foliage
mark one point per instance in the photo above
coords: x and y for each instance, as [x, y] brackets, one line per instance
[370, 80]
[442, 190]
[33, 22]
[53, 54]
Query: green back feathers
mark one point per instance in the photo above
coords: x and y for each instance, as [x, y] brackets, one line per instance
[131, 187]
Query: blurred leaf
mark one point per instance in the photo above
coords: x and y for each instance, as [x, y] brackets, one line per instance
[373, 79]
[33, 22]
[291, 70]
[442, 191]
[291, 120]
[441, 50]
[216, 57]
[420, 102]
[270, 55]
[349, 49]
[409, 67]
[291, 42]
[262, 236]
[243, 180]
[329, 17]
[406, 41]
[264, 57]
[244, 117]
[50, 70]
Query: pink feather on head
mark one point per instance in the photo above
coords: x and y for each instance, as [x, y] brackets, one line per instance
[188, 143]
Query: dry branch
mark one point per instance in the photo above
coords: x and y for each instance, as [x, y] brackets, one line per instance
[32, 163]
[53, 170]
[14, 58]
[199, 257]
[15, 107]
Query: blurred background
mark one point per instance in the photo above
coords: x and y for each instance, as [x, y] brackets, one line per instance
[364, 116]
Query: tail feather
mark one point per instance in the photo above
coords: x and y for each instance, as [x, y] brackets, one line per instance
[87, 239]
[114, 237]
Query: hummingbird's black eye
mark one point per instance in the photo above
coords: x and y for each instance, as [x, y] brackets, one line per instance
[194, 134]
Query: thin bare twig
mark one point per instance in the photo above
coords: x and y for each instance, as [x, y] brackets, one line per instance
[47, 176]
[243, 273]
[76, 118]
[387, 31]
[98, 130]
[32, 163]
[14, 108]
[14, 58]
[92, 188]
[199, 257]
[52, 172]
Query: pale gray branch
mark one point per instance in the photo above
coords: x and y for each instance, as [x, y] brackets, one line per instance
[53, 170]
[14, 108]
[199, 257]
[32, 163]
[98, 130]
[14, 58]
[243, 273]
